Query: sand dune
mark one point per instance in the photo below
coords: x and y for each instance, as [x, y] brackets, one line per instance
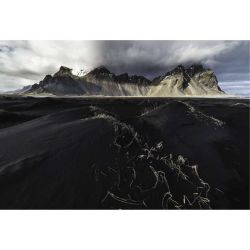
[124, 153]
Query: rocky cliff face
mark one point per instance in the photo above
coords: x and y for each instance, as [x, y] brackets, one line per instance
[195, 80]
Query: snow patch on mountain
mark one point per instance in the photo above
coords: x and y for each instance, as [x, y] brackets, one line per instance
[80, 72]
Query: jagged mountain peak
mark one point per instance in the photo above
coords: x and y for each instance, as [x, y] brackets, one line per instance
[100, 70]
[191, 70]
[64, 68]
[196, 67]
[180, 68]
[63, 71]
[126, 78]
[140, 79]
[102, 73]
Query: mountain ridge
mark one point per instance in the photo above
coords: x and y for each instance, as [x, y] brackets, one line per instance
[181, 81]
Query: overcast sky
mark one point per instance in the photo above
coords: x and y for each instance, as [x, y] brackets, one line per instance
[27, 62]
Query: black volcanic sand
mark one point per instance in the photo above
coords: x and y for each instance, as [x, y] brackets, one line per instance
[128, 153]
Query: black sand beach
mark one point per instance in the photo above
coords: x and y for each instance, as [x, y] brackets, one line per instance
[124, 153]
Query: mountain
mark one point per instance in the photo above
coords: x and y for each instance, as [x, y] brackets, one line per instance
[64, 82]
[192, 81]
[195, 80]
[22, 90]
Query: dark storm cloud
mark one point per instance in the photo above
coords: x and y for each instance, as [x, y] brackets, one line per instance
[229, 59]
[234, 65]
[25, 62]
